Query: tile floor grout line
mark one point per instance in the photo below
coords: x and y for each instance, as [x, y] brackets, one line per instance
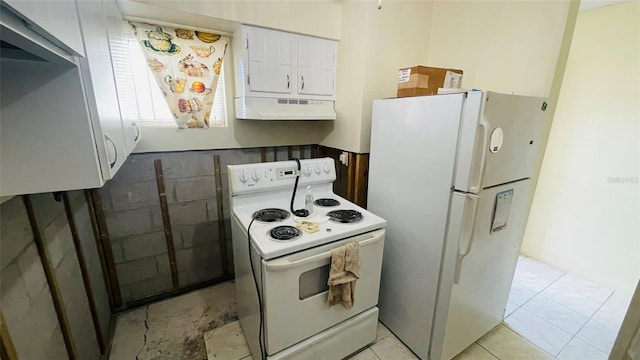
[581, 327]
[585, 323]
[374, 353]
[538, 293]
[531, 342]
[487, 350]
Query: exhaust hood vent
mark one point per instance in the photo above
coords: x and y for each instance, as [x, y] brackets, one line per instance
[256, 108]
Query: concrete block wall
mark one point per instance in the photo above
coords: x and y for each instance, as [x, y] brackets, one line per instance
[84, 228]
[134, 218]
[26, 298]
[27, 305]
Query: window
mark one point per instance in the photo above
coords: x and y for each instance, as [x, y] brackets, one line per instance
[140, 97]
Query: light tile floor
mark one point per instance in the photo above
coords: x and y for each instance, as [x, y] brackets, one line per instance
[549, 315]
[566, 316]
[227, 343]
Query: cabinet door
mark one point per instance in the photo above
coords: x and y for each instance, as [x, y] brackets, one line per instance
[119, 49]
[55, 20]
[316, 66]
[102, 98]
[46, 139]
[270, 57]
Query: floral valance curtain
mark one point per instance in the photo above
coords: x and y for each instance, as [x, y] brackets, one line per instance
[186, 65]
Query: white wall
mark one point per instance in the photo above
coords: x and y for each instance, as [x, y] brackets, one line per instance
[504, 46]
[374, 44]
[586, 210]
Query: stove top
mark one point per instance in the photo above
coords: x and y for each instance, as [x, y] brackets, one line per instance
[264, 190]
[326, 202]
[270, 247]
[271, 215]
[345, 216]
[285, 233]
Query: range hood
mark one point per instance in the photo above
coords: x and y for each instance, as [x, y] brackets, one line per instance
[260, 108]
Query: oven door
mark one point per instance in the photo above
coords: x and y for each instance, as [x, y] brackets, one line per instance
[295, 291]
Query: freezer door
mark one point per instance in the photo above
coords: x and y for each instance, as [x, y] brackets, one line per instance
[507, 136]
[483, 267]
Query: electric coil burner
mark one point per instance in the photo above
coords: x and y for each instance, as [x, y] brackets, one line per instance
[326, 202]
[271, 215]
[285, 233]
[345, 216]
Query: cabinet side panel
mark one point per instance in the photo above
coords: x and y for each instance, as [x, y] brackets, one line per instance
[46, 139]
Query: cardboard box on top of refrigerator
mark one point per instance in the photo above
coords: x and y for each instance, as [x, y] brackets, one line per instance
[424, 80]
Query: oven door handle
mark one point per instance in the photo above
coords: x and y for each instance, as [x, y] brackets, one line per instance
[282, 265]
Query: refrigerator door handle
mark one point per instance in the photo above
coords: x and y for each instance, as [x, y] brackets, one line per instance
[470, 228]
[483, 154]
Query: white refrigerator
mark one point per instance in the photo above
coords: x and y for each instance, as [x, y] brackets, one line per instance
[452, 174]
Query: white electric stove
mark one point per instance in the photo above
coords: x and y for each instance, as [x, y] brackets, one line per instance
[291, 266]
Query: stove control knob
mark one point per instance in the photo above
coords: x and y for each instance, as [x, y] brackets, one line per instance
[242, 177]
[317, 170]
[307, 171]
[326, 169]
[255, 176]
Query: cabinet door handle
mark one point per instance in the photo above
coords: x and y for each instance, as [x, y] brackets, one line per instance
[137, 131]
[302, 82]
[288, 82]
[115, 151]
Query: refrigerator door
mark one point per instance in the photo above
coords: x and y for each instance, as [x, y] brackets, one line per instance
[507, 136]
[483, 266]
[413, 150]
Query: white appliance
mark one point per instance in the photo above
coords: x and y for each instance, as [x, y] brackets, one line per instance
[283, 108]
[291, 268]
[452, 176]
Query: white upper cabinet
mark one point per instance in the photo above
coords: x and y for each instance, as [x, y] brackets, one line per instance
[316, 66]
[119, 49]
[102, 97]
[61, 127]
[55, 20]
[270, 62]
[270, 57]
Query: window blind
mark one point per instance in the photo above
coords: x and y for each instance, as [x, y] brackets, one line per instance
[140, 97]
